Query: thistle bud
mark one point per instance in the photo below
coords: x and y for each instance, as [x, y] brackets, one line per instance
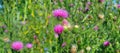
[73, 49]
[101, 16]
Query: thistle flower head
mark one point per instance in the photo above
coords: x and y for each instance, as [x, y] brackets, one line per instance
[17, 45]
[58, 29]
[60, 13]
[106, 43]
[118, 5]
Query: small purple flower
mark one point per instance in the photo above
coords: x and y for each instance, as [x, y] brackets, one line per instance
[100, 1]
[63, 44]
[58, 29]
[118, 6]
[86, 9]
[6, 31]
[88, 3]
[106, 43]
[17, 45]
[96, 28]
[35, 37]
[60, 13]
[4, 26]
[29, 45]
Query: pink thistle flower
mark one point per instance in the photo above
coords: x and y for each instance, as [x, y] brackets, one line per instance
[58, 29]
[29, 45]
[60, 13]
[118, 6]
[106, 43]
[17, 45]
[88, 3]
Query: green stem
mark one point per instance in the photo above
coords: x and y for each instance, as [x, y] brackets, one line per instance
[60, 41]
